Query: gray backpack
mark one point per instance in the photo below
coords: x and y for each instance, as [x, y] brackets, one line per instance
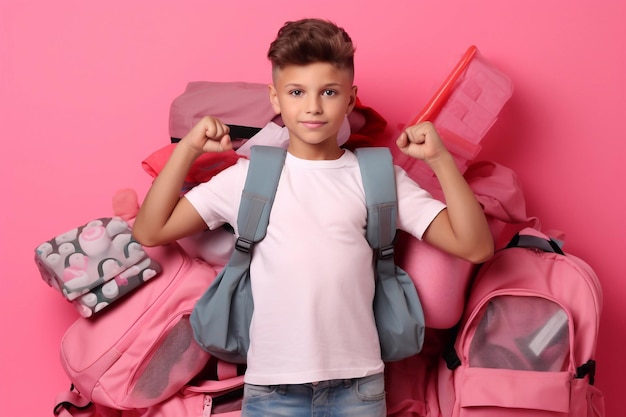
[221, 317]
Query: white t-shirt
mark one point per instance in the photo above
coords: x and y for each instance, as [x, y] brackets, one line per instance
[312, 276]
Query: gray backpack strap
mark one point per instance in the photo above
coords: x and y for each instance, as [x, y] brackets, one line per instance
[221, 317]
[379, 183]
[257, 197]
[266, 165]
[397, 307]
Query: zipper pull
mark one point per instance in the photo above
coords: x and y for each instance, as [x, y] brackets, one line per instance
[207, 407]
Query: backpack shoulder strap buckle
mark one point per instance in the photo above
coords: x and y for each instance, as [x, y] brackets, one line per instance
[243, 245]
[386, 252]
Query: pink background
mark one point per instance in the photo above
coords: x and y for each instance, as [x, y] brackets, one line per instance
[86, 88]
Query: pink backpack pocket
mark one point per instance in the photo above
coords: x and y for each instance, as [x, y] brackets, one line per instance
[221, 398]
[516, 361]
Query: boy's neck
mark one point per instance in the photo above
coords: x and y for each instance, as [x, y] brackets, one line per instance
[319, 152]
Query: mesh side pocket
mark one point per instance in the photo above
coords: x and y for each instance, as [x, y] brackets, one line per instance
[175, 362]
[522, 333]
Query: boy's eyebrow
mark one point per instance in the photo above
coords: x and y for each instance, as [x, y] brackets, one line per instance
[292, 85]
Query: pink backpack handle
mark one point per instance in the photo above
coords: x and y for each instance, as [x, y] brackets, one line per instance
[532, 238]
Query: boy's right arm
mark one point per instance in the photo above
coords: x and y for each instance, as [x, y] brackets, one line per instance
[164, 216]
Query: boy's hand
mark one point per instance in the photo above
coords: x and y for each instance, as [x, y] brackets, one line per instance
[208, 135]
[421, 141]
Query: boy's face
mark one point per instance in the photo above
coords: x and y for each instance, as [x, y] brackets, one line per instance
[313, 100]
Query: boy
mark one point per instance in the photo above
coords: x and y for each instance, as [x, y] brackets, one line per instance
[313, 340]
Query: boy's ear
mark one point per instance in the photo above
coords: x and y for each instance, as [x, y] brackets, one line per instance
[274, 98]
[352, 102]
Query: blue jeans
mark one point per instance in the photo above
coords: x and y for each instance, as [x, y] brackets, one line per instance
[362, 397]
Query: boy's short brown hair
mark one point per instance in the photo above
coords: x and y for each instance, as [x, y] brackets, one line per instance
[308, 41]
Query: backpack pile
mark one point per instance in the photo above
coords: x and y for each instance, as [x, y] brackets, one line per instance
[515, 336]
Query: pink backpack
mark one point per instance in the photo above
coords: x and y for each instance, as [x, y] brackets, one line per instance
[138, 358]
[526, 342]
[142, 350]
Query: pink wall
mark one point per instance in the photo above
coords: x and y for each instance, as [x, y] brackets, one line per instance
[86, 86]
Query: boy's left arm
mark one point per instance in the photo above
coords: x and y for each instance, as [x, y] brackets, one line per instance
[461, 229]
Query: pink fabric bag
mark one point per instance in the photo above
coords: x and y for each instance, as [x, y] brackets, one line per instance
[226, 100]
